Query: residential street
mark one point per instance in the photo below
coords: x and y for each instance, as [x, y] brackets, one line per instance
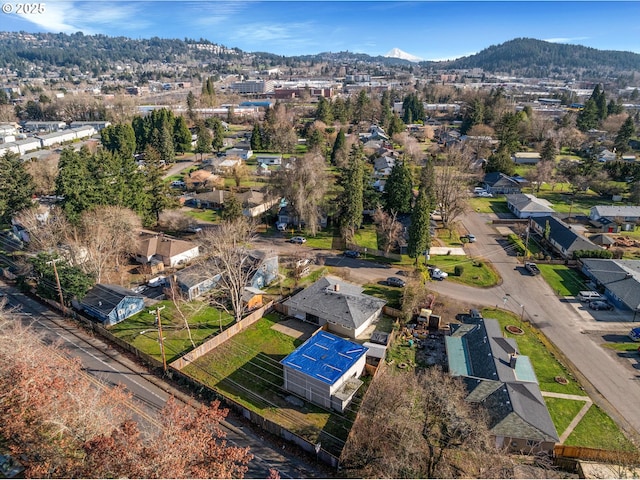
[572, 328]
[149, 394]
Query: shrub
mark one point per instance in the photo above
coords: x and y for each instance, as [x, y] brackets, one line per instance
[458, 270]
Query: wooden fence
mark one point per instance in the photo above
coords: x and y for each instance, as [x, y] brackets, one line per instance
[596, 454]
[222, 337]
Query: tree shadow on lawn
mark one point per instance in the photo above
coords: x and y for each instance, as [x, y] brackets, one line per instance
[259, 382]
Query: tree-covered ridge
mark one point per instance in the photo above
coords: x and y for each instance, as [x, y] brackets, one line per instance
[88, 51]
[539, 58]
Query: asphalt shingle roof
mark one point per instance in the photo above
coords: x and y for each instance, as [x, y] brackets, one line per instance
[345, 305]
[104, 298]
[620, 277]
[563, 235]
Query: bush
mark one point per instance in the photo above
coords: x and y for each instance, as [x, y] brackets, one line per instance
[458, 270]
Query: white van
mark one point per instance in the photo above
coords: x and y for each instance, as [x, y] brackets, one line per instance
[589, 296]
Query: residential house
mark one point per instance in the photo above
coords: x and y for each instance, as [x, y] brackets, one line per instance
[197, 279]
[267, 272]
[255, 203]
[626, 217]
[239, 153]
[606, 156]
[619, 280]
[269, 158]
[525, 205]
[213, 200]
[382, 166]
[605, 241]
[561, 237]
[325, 370]
[170, 251]
[526, 158]
[288, 217]
[339, 305]
[202, 179]
[499, 183]
[498, 377]
[111, 304]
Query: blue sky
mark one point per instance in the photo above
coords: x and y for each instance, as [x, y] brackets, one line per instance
[427, 29]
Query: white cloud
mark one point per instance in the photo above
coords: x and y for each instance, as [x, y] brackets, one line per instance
[86, 17]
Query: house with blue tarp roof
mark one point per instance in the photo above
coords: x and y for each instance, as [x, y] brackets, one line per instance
[498, 377]
[325, 370]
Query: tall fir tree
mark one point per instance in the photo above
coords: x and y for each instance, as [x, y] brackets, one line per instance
[158, 193]
[339, 147]
[626, 132]
[419, 231]
[16, 186]
[181, 135]
[351, 199]
[256, 138]
[74, 182]
[398, 190]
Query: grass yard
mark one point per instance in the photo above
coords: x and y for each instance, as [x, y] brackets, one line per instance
[579, 204]
[246, 368]
[141, 332]
[367, 237]
[629, 346]
[565, 281]
[489, 205]
[562, 411]
[393, 295]
[475, 272]
[204, 215]
[596, 429]
[324, 239]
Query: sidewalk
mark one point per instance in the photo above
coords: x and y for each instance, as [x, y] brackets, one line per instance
[576, 420]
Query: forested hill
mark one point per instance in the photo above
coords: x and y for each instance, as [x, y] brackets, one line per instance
[536, 58]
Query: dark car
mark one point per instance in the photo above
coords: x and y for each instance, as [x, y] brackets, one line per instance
[395, 282]
[600, 305]
[352, 254]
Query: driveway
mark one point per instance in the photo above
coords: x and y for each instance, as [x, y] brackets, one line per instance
[572, 328]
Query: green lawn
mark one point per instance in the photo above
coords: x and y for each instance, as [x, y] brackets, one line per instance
[323, 239]
[247, 369]
[141, 331]
[624, 347]
[393, 295]
[565, 281]
[204, 215]
[496, 204]
[563, 411]
[475, 272]
[597, 430]
[367, 237]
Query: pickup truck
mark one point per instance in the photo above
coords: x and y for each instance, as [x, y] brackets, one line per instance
[437, 274]
[532, 268]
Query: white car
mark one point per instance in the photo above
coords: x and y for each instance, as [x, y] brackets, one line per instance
[437, 274]
[484, 194]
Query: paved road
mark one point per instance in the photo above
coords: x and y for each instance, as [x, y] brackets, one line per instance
[565, 322]
[149, 393]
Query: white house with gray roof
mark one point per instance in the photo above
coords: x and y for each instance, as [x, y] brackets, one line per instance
[618, 279]
[625, 216]
[338, 304]
[526, 205]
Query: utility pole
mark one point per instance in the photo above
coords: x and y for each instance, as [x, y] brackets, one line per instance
[55, 272]
[160, 338]
[526, 242]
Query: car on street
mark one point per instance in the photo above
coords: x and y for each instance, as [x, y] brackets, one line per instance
[395, 282]
[470, 238]
[600, 305]
[298, 240]
[352, 253]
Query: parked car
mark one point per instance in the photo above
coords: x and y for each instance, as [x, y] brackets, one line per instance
[352, 253]
[281, 226]
[589, 296]
[298, 240]
[600, 305]
[437, 274]
[194, 229]
[470, 238]
[634, 334]
[474, 314]
[532, 268]
[484, 194]
[395, 282]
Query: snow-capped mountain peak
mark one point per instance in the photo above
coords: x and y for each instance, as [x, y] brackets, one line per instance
[397, 53]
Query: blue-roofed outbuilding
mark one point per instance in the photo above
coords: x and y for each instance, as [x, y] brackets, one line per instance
[325, 369]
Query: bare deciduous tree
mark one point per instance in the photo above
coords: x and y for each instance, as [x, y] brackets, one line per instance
[228, 249]
[304, 185]
[388, 228]
[451, 184]
[410, 147]
[420, 426]
[46, 232]
[44, 172]
[109, 233]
